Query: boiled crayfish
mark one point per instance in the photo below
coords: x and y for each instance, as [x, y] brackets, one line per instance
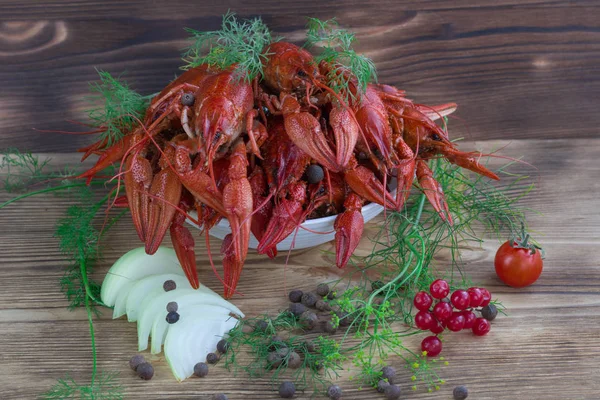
[270, 153]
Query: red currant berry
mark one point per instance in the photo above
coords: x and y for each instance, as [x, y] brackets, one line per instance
[442, 311]
[424, 320]
[439, 289]
[432, 345]
[456, 322]
[481, 326]
[460, 299]
[487, 297]
[437, 327]
[470, 318]
[476, 297]
[422, 301]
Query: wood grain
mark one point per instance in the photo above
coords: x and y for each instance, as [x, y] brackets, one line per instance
[526, 77]
[505, 63]
[545, 348]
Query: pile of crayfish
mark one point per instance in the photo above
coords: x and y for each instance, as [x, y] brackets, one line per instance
[270, 153]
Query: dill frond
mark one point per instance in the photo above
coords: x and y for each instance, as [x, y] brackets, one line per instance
[404, 251]
[350, 72]
[105, 388]
[250, 348]
[78, 238]
[23, 170]
[78, 241]
[424, 370]
[240, 43]
[119, 107]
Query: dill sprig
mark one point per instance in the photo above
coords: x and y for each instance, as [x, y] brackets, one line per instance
[78, 241]
[250, 347]
[349, 72]
[106, 388]
[424, 369]
[377, 313]
[402, 258]
[23, 170]
[239, 43]
[119, 107]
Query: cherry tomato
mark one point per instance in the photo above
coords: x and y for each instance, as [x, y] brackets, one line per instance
[517, 266]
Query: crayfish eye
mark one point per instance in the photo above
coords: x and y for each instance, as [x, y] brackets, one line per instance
[436, 137]
[302, 73]
[187, 99]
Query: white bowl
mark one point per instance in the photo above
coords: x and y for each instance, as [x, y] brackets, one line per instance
[303, 238]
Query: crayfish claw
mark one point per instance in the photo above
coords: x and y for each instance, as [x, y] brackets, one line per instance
[363, 182]
[183, 243]
[138, 178]
[286, 217]
[433, 191]
[468, 161]
[348, 227]
[238, 205]
[165, 194]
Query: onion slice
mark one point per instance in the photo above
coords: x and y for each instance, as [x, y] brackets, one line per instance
[153, 316]
[147, 289]
[135, 265]
[190, 339]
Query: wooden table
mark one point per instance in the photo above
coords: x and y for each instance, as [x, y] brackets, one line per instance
[525, 74]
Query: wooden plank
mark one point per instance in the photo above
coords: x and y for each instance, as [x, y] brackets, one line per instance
[505, 63]
[545, 348]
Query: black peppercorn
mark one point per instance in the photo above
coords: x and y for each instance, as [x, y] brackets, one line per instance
[295, 296]
[287, 390]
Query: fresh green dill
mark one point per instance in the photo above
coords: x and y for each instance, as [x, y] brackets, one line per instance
[239, 43]
[252, 350]
[349, 72]
[118, 108]
[424, 369]
[403, 261]
[23, 170]
[378, 317]
[106, 388]
[78, 241]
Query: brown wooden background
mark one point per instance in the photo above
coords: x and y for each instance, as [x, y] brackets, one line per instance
[525, 75]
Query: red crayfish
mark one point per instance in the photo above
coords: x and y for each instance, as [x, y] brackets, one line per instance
[268, 154]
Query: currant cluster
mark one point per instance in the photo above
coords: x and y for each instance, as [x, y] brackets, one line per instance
[454, 314]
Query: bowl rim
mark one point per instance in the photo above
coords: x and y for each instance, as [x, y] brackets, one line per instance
[315, 221]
